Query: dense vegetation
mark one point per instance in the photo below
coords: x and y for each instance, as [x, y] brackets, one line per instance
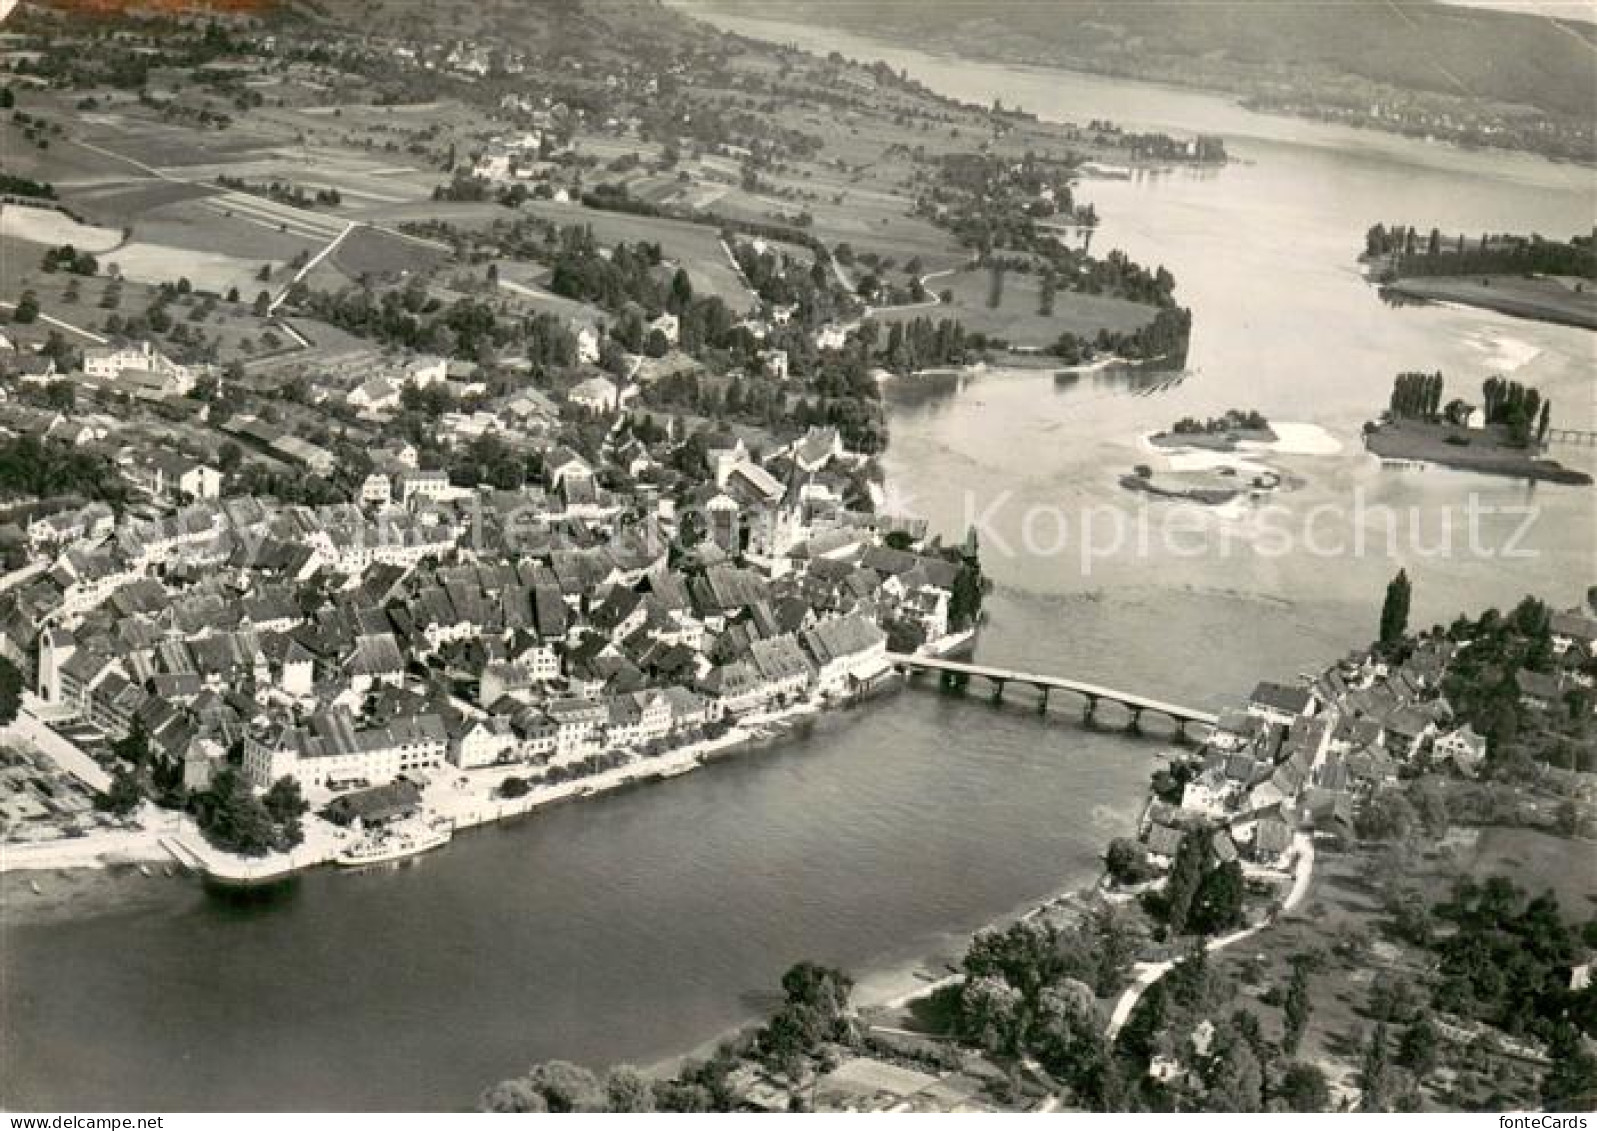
[1412, 254]
[815, 1014]
[1518, 410]
[234, 819]
[45, 468]
[1234, 420]
[1483, 686]
[1163, 340]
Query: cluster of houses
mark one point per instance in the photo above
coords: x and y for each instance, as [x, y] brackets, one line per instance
[1305, 757]
[427, 626]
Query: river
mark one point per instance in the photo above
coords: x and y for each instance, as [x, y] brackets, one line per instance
[636, 926]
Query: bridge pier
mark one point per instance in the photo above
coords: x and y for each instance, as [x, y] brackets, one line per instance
[955, 676]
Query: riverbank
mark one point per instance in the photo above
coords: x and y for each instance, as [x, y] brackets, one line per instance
[1536, 298]
[466, 799]
[1410, 442]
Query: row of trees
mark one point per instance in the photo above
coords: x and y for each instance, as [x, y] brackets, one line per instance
[1435, 254]
[1416, 396]
[1164, 339]
[1518, 409]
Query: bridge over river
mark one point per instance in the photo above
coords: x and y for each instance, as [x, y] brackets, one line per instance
[958, 674]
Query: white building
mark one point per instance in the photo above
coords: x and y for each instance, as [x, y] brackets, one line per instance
[137, 359]
[597, 394]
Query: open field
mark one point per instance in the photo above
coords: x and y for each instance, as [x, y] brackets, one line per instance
[867, 220]
[368, 251]
[1540, 298]
[233, 327]
[696, 246]
[1015, 319]
[49, 228]
[204, 226]
[1539, 861]
[118, 203]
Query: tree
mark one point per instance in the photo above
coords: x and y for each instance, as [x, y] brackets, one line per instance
[1235, 1078]
[1571, 1083]
[1126, 861]
[1388, 815]
[1395, 609]
[263, 305]
[1186, 874]
[1374, 1072]
[1217, 904]
[1417, 1050]
[133, 747]
[1303, 1088]
[628, 1090]
[1296, 1007]
[1066, 1036]
[566, 1087]
[124, 794]
[27, 308]
[512, 1096]
[60, 396]
[11, 684]
[991, 1012]
[229, 457]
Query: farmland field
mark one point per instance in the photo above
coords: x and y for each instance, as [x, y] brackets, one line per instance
[49, 228]
[382, 255]
[696, 246]
[232, 325]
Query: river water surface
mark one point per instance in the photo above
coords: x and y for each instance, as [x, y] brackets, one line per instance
[636, 926]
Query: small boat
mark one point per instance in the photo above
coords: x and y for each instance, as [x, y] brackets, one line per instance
[383, 845]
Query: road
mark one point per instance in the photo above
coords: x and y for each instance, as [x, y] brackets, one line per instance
[1151, 972]
[310, 266]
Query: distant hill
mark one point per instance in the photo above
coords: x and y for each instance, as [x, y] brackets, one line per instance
[1421, 45]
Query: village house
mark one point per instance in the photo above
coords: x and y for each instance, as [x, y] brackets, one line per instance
[1280, 704]
[168, 475]
[1463, 747]
[596, 394]
[137, 359]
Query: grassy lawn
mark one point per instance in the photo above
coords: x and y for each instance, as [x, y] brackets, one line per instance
[696, 246]
[1016, 318]
[1540, 297]
[1539, 861]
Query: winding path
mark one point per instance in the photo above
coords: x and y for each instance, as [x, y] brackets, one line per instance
[1151, 972]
